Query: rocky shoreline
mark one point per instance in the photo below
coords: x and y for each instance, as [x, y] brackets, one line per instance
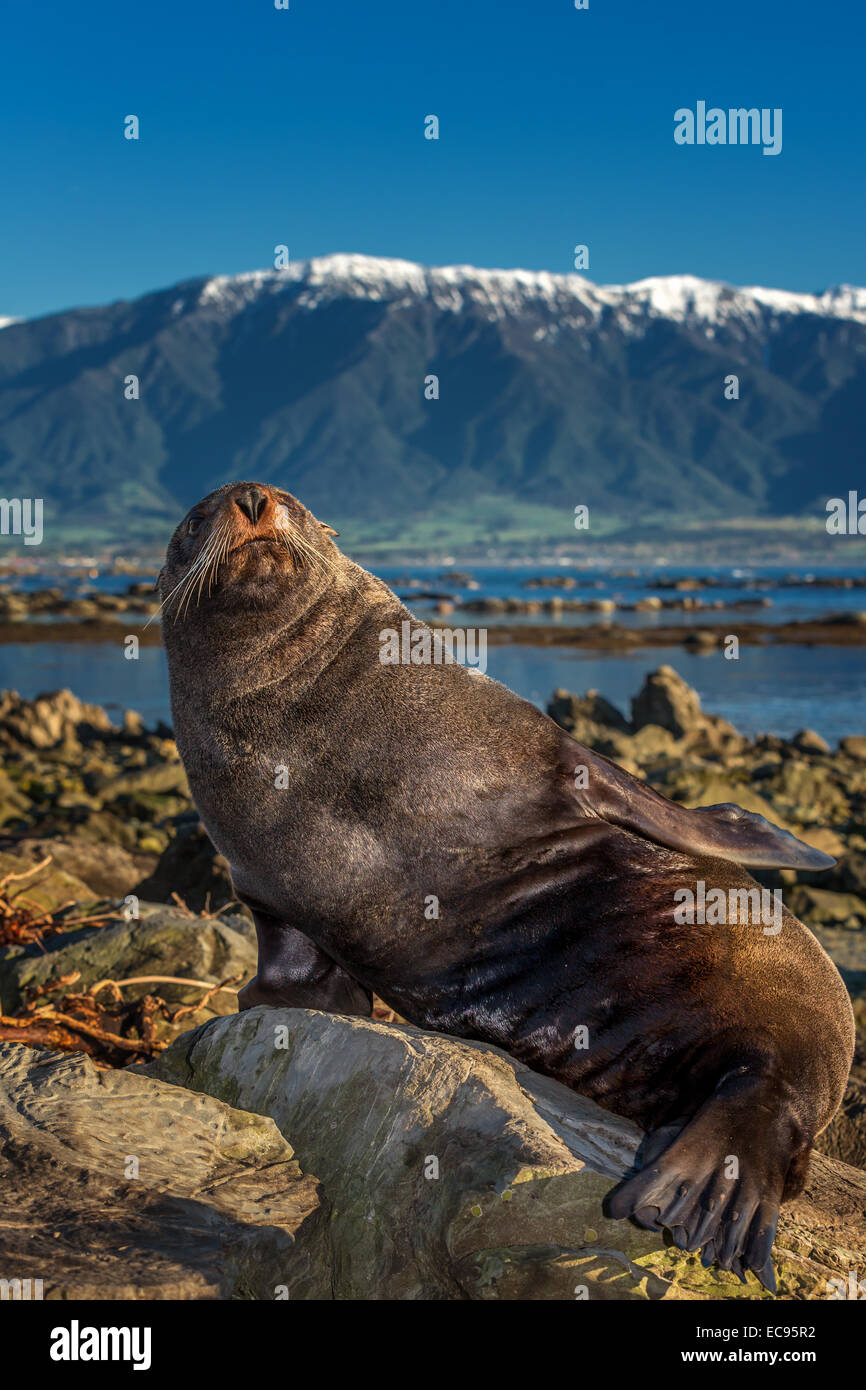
[119, 934]
[51, 615]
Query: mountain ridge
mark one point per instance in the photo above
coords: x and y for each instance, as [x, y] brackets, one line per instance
[354, 272]
[553, 391]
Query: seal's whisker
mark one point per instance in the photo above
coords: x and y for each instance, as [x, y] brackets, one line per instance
[209, 553]
[197, 570]
[167, 600]
[210, 570]
[219, 558]
[194, 571]
[298, 545]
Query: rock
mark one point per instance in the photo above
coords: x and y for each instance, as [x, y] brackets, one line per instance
[854, 747]
[809, 742]
[15, 806]
[851, 619]
[819, 905]
[666, 700]
[217, 1207]
[190, 867]
[105, 869]
[567, 709]
[49, 889]
[715, 790]
[702, 640]
[164, 941]
[712, 739]
[851, 873]
[819, 837]
[159, 779]
[808, 792]
[651, 742]
[50, 720]
[845, 1136]
[454, 1172]
[133, 724]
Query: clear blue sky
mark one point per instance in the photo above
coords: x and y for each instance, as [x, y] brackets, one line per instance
[305, 127]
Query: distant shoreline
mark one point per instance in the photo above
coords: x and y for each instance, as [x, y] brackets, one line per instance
[834, 630]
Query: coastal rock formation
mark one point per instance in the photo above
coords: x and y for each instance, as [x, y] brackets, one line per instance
[453, 1171]
[162, 941]
[666, 700]
[107, 804]
[292, 1154]
[118, 1186]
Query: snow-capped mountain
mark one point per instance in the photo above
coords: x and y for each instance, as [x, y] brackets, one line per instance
[380, 388]
[503, 292]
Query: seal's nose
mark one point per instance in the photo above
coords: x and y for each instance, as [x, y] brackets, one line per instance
[252, 502]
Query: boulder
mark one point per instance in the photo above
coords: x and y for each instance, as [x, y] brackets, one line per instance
[666, 700]
[163, 941]
[651, 742]
[567, 710]
[854, 747]
[118, 1186]
[190, 867]
[49, 721]
[46, 889]
[107, 870]
[809, 742]
[455, 1172]
[711, 789]
[819, 906]
[852, 872]
[845, 1136]
[810, 791]
[702, 639]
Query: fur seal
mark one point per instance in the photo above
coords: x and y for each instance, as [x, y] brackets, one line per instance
[421, 831]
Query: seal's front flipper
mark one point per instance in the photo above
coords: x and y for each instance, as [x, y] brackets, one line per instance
[717, 1185]
[720, 832]
[293, 973]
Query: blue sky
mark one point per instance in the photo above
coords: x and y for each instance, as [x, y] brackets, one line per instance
[305, 127]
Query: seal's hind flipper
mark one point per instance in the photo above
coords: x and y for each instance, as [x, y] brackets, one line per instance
[717, 1185]
[720, 832]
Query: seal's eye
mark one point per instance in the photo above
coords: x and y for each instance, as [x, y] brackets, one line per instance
[193, 525]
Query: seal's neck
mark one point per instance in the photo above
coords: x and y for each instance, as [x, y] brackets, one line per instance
[220, 656]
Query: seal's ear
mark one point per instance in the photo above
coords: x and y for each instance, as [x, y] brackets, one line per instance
[328, 530]
[722, 832]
